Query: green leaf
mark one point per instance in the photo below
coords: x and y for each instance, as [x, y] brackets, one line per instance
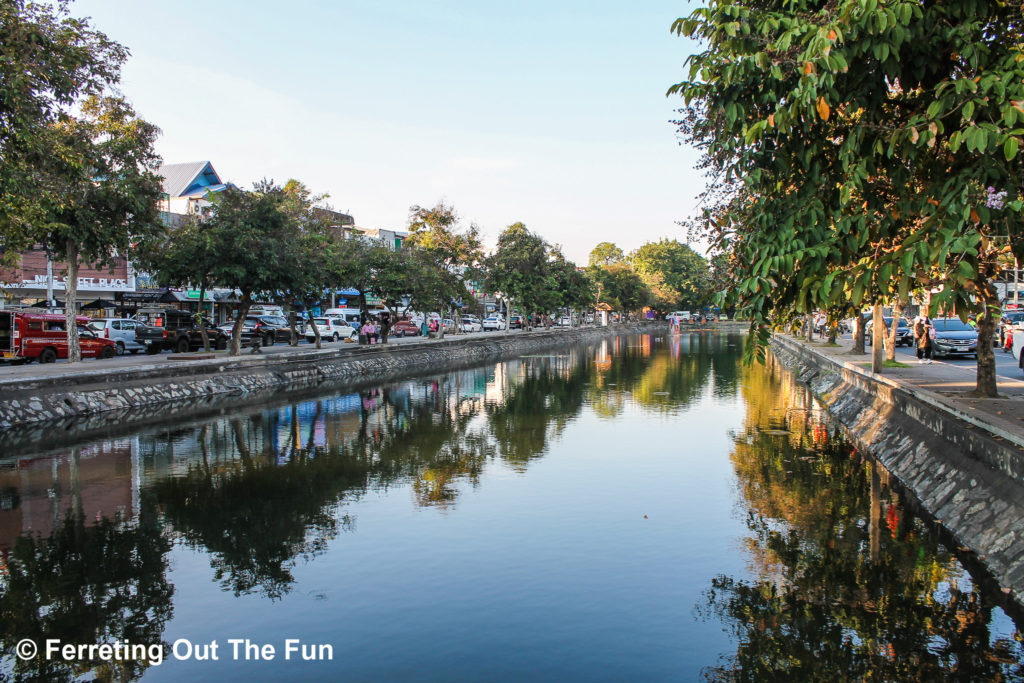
[1010, 148]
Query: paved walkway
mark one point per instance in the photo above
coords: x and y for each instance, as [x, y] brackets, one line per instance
[947, 382]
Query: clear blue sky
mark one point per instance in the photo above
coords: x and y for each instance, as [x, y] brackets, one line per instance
[549, 113]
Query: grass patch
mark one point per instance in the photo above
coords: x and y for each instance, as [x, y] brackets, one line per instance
[885, 364]
[831, 344]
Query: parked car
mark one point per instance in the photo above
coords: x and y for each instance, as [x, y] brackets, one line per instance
[449, 326]
[272, 328]
[515, 322]
[683, 316]
[121, 331]
[564, 321]
[493, 322]
[178, 331]
[470, 323]
[25, 337]
[332, 328]
[953, 336]
[405, 328]
[903, 333]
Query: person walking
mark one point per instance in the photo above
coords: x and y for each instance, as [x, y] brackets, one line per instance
[923, 333]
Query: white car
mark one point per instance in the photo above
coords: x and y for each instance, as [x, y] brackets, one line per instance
[332, 328]
[564, 321]
[1018, 343]
[683, 316]
[121, 330]
[493, 322]
[470, 323]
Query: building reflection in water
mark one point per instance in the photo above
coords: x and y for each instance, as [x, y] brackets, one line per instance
[845, 575]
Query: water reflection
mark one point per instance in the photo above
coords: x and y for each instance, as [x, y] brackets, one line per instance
[850, 584]
[842, 576]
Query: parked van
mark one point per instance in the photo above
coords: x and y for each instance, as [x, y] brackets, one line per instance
[351, 315]
[28, 336]
[121, 330]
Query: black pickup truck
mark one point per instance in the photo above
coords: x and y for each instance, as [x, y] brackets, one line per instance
[178, 331]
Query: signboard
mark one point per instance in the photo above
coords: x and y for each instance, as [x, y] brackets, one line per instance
[85, 284]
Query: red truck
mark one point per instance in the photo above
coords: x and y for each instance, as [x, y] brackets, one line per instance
[25, 337]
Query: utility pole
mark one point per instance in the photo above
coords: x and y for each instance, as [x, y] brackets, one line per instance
[49, 280]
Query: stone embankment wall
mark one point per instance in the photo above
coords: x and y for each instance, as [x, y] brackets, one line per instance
[91, 402]
[968, 478]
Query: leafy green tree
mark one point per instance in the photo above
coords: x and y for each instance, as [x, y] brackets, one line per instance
[101, 191]
[619, 287]
[432, 286]
[456, 250]
[253, 233]
[850, 149]
[606, 254]
[305, 258]
[48, 61]
[570, 287]
[183, 256]
[678, 277]
[519, 268]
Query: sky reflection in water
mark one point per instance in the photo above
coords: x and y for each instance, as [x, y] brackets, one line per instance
[645, 508]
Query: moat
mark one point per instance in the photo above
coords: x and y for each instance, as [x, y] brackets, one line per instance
[641, 508]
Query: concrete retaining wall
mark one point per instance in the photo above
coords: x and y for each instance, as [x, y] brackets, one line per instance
[969, 479]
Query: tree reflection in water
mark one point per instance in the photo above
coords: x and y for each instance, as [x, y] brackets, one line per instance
[87, 582]
[852, 585]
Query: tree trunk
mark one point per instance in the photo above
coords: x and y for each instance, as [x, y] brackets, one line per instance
[386, 324]
[202, 318]
[877, 339]
[890, 350]
[293, 320]
[236, 333]
[316, 330]
[986, 384]
[833, 328]
[70, 303]
[859, 323]
[809, 322]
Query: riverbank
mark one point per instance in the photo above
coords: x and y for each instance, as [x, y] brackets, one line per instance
[961, 459]
[92, 398]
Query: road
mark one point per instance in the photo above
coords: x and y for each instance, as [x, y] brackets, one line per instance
[1006, 364]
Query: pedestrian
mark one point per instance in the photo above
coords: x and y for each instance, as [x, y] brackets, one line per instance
[923, 334]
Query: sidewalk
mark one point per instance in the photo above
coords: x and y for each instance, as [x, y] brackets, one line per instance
[943, 384]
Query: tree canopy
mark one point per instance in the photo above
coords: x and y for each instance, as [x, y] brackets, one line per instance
[606, 254]
[48, 61]
[677, 276]
[851, 146]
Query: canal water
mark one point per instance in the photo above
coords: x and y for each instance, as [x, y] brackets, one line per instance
[645, 508]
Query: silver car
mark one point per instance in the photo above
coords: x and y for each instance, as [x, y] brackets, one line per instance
[121, 330]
